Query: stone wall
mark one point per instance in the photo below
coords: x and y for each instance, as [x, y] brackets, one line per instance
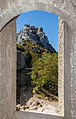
[8, 71]
[63, 8]
[61, 65]
[8, 10]
[69, 73]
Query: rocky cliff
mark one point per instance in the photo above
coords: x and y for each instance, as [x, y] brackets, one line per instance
[36, 36]
[21, 60]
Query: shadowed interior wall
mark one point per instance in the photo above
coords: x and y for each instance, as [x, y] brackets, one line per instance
[8, 71]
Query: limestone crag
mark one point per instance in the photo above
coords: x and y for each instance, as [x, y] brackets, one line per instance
[36, 36]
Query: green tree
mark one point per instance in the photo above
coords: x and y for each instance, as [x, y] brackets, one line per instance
[20, 47]
[45, 73]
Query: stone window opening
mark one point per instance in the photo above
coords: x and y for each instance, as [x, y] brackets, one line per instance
[9, 10]
[60, 103]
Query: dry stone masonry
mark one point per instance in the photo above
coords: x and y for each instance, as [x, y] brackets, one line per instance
[9, 10]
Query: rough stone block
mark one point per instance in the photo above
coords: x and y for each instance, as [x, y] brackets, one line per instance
[2, 109]
[74, 3]
[3, 4]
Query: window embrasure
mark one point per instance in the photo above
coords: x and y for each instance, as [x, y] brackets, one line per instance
[33, 93]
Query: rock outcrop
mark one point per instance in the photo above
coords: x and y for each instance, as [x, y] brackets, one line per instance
[21, 60]
[36, 36]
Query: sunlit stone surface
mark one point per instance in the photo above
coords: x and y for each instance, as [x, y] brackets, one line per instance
[10, 9]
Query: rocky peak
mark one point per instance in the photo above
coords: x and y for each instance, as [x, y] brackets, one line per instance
[36, 36]
[40, 30]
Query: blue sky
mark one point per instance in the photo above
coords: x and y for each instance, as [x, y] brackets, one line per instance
[48, 21]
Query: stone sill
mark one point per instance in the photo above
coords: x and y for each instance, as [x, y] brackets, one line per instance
[35, 115]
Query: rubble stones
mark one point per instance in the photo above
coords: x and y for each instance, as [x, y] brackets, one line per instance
[38, 105]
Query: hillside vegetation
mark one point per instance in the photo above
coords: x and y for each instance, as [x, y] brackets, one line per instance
[44, 68]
